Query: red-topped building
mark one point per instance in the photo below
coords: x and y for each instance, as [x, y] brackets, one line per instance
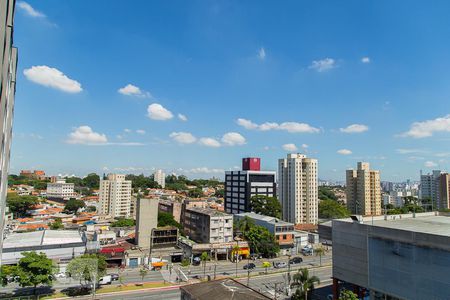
[251, 164]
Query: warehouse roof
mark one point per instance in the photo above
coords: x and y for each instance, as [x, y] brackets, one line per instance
[44, 237]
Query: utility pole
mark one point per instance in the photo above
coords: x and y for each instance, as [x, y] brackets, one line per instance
[215, 265]
[248, 267]
[289, 272]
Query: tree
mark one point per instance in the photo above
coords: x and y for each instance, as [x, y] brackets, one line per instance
[326, 193]
[91, 181]
[20, 205]
[262, 241]
[73, 205]
[195, 193]
[330, 209]
[243, 225]
[85, 266]
[319, 251]
[167, 219]
[124, 222]
[266, 265]
[219, 193]
[6, 273]
[204, 257]
[304, 284]
[143, 272]
[91, 208]
[57, 224]
[347, 295]
[34, 269]
[185, 262]
[264, 205]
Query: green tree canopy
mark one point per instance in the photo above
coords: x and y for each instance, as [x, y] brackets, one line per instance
[87, 266]
[330, 209]
[304, 283]
[347, 295]
[195, 193]
[326, 193]
[262, 241]
[19, 205]
[73, 205]
[264, 205]
[124, 222]
[34, 269]
[166, 219]
[57, 224]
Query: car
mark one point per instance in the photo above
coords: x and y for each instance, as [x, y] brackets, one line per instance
[280, 264]
[60, 275]
[196, 276]
[114, 277]
[105, 280]
[196, 261]
[226, 273]
[295, 260]
[249, 266]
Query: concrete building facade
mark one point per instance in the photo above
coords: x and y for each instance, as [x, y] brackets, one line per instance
[205, 225]
[8, 68]
[160, 177]
[298, 188]
[430, 186]
[60, 190]
[241, 186]
[115, 196]
[444, 191]
[146, 221]
[363, 190]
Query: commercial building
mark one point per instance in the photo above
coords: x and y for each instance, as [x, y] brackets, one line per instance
[60, 190]
[59, 245]
[205, 225]
[115, 196]
[8, 67]
[146, 221]
[363, 190]
[298, 188]
[283, 231]
[36, 174]
[444, 191]
[160, 177]
[393, 257]
[241, 186]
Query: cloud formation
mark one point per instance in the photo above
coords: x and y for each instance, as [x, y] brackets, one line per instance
[209, 142]
[262, 54]
[323, 65]
[132, 90]
[183, 137]
[354, 128]
[427, 128]
[233, 139]
[158, 112]
[292, 127]
[53, 78]
[290, 147]
[182, 117]
[29, 10]
[344, 152]
[86, 136]
[140, 131]
[430, 164]
[365, 60]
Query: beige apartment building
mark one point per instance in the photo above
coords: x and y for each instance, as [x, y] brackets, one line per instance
[115, 196]
[298, 188]
[363, 190]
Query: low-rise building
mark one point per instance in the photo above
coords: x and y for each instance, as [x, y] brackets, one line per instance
[205, 225]
[171, 207]
[60, 190]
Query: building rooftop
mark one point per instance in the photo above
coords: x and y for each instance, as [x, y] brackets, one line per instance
[221, 289]
[264, 218]
[428, 223]
[209, 211]
[44, 237]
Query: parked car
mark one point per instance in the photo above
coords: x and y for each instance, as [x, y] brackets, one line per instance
[114, 277]
[105, 280]
[280, 264]
[307, 250]
[196, 261]
[249, 266]
[295, 260]
[60, 275]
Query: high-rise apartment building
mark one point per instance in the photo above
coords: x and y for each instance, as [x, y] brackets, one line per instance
[430, 187]
[298, 188]
[160, 177]
[8, 67]
[363, 190]
[241, 186]
[115, 196]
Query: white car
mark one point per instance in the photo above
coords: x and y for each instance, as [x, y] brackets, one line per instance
[60, 275]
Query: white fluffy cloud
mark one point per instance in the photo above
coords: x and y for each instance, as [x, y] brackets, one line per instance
[428, 128]
[209, 142]
[323, 65]
[182, 117]
[51, 77]
[344, 152]
[290, 147]
[409, 151]
[292, 127]
[183, 137]
[158, 112]
[354, 128]
[233, 139]
[204, 170]
[430, 164]
[132, 90]
[29, 10]
[85, 135]
[262, 54]
[365, 60]
[140, 131]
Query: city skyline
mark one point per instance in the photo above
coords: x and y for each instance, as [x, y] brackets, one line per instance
[132, 95]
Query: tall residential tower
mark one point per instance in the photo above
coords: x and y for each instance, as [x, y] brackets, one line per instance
[115, 196]
[298, 188]
[160, 177]
[363, 190]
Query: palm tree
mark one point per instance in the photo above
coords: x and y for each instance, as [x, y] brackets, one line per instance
[304, 284]
[204, 257]
[319, 252]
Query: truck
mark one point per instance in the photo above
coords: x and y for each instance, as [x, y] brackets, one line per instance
[105, 280]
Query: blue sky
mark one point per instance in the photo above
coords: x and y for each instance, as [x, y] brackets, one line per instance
[193, 86]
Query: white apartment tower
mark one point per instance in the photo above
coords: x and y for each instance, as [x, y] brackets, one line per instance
[298, 188]
[363, 190]
[115, 196]
[160, 178]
